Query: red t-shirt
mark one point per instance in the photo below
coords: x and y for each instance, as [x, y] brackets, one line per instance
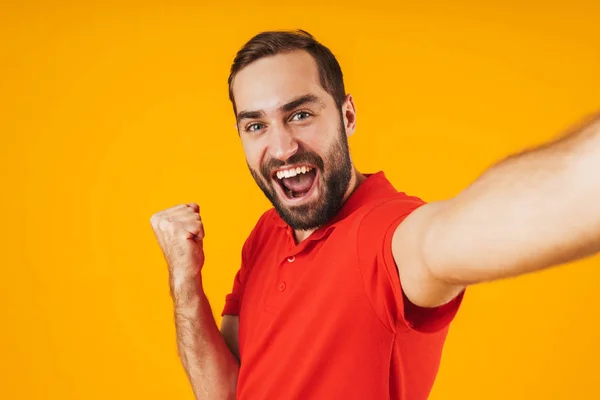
[327, 318]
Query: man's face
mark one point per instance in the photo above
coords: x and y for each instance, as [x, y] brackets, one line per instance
[294, 137]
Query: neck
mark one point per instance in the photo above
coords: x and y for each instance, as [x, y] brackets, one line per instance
[356, 179]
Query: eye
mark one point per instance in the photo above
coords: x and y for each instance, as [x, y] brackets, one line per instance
[301, 115]
[254, 127]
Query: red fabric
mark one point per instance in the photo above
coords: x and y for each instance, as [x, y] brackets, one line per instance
[327, 318]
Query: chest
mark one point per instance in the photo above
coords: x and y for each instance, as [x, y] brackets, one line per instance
[292, 290]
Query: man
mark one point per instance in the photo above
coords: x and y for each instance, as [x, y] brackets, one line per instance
[347, 287]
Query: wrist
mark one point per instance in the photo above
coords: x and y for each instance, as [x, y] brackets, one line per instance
[186, 291]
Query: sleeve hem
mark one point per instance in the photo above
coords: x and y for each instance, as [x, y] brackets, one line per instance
[232, 307]
[419, 319]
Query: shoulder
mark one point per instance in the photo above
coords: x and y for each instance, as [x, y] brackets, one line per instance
[262, 231]
[267, 221]
[376, 222]
[377, 202]
[389, 211]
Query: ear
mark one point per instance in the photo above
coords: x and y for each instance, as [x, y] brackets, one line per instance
[349, 115]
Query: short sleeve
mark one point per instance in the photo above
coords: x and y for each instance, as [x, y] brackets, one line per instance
[380, 273]
[233, 301]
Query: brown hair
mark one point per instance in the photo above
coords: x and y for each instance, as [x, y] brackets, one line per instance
[271, 43]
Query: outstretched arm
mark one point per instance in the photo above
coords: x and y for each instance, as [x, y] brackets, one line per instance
[531, 211]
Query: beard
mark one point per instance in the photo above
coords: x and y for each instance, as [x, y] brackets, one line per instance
[333, 184]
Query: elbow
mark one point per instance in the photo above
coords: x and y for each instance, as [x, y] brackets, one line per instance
[217, 384]
[225, 389]
[232, 392]
[228, 389]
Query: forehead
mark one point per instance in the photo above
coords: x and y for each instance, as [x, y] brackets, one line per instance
[272, 81]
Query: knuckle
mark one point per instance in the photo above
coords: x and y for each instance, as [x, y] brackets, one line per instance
[200, 230]
[164, 224]
[155, 220]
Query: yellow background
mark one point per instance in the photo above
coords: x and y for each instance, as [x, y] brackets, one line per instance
[109, 113]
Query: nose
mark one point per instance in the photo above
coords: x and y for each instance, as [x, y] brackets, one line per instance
[282, 143]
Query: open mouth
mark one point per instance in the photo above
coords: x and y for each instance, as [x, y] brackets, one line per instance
[296, 182]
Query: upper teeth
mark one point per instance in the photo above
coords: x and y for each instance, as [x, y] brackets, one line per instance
[290, 172]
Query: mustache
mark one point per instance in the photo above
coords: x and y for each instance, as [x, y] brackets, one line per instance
[304, 157]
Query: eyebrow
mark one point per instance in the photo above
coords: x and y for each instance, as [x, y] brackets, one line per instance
[302, 100]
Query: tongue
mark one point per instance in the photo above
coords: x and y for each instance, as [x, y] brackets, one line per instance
[300, 182]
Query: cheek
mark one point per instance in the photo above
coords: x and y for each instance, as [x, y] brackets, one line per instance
[253, 153]
[319, 137]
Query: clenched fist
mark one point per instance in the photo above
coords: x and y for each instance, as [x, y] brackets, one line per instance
[179, 232]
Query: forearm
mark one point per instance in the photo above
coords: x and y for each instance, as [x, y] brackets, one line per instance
[209, 364]
[528, 212]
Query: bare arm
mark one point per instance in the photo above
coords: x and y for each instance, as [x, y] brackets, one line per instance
[230, 326]
[211, 367]
[531, 211]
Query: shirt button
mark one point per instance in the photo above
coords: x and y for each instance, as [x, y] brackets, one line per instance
[282, 286]
[291, 259]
